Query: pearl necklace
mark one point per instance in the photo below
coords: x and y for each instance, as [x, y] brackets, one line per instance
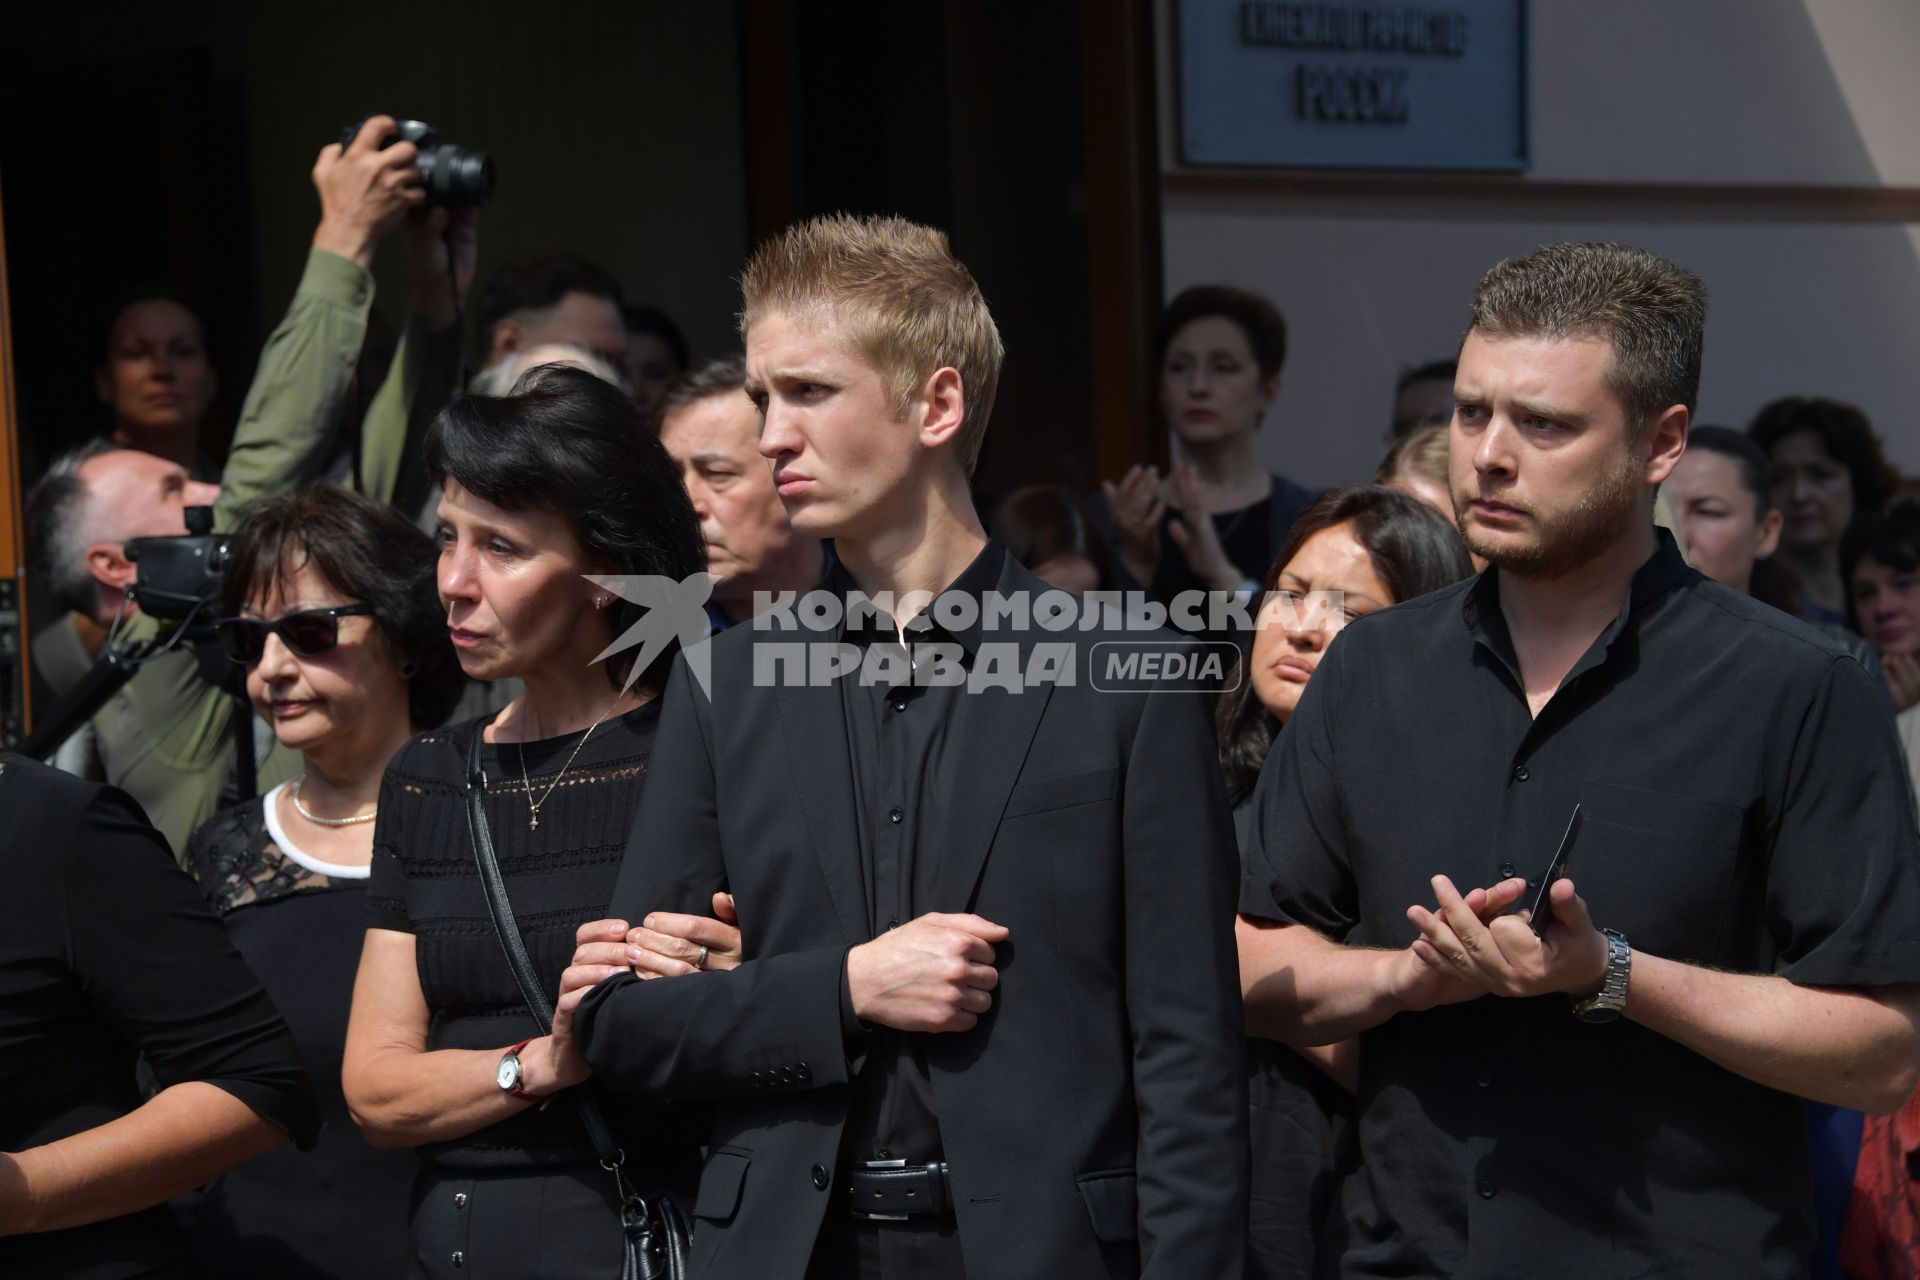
[313, 817]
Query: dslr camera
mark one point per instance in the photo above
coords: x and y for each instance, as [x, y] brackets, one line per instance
[454, 177]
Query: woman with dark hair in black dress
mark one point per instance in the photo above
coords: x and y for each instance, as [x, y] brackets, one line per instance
[331, 610]
[541, 492]
[1215, 520]
[1352, 552]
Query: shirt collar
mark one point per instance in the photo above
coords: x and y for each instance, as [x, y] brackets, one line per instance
[1664, 570]
[868, 625]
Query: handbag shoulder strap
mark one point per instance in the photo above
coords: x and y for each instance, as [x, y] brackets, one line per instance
[494, 885]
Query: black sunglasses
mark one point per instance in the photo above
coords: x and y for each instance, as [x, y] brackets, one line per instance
[307, 632]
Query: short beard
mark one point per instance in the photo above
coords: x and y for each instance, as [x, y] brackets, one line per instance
[1568, 541]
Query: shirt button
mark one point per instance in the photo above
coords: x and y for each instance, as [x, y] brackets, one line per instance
[895, 815]
[459, 1199]
[459, 1258]
[900, 704]
[820, 1177]
[1508, 871]
[1486, 1189]
[1520, 773]
[1486, 1080]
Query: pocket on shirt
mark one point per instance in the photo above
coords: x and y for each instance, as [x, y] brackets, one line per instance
[1043, 795]
[1658, 866]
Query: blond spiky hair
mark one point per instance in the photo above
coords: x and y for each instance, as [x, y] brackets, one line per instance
[909, 305]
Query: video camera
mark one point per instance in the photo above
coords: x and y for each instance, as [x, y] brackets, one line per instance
[178, 585]
[179, 575]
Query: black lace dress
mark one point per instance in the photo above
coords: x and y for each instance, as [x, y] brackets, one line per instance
[340, 1209]
[525, 1196]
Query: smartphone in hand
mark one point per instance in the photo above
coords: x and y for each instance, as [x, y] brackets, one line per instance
[1542, 909]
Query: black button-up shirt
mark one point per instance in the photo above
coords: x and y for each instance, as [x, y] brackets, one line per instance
[902, 755]
[1744, 806]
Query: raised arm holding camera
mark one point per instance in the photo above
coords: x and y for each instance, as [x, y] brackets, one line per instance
[165, 736]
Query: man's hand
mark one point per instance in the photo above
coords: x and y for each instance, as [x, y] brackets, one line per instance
[364, 190]
[1196, 537]
[1136, 505]
[933, 973]
[667, 945]
[1414, 985]
[1501, 955]
[1903, 678]
[440, 284]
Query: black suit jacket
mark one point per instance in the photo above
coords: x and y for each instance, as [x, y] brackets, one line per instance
[1095, 1119]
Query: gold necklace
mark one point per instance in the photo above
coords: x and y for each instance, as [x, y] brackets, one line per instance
[533, 806]
[316, 819]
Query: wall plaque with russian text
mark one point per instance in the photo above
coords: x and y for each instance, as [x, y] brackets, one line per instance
[1345, 84]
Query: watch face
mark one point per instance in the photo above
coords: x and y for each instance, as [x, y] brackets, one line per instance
[508, 1076]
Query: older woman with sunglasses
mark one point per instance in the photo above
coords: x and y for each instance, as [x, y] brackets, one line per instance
[335, 620]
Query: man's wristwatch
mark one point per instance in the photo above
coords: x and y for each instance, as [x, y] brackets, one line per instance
[509, 1077]
[1611, 999]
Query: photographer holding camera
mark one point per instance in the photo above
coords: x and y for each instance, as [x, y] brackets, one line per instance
[165, 737]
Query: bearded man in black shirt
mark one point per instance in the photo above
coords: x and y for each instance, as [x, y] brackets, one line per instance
[1608, 1088]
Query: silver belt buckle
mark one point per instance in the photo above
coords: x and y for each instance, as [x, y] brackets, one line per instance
[877, 1217]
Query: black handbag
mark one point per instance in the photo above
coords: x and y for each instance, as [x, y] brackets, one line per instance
[657, 1234]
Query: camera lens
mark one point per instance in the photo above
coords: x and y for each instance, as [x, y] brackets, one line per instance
[457, 177]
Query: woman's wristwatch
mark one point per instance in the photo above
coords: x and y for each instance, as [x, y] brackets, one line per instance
[510, 1076]
[1608, 1003]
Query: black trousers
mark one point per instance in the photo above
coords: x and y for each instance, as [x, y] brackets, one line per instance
[534, 1224]
[1303, 1144]
[920, 1248]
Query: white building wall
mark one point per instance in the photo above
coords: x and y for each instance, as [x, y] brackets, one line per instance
[1773, 146]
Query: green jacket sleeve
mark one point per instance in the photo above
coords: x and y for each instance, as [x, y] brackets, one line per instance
[425, 371]
[299, 390]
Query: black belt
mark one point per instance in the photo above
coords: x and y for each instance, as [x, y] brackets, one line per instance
[893, 1190]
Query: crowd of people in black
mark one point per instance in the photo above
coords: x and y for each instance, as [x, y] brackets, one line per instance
[1531, 890]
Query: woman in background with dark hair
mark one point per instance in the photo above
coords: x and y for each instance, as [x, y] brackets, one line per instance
[1722, 504]
[1215, 521]
[1880, 556]
[156, 378]
[1722, 498]
[331, 610]
[539, 489]
[1828, 468]
[1352, 552]
[1046, 529]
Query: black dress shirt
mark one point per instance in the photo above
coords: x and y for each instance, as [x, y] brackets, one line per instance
[424, 881]
[1744, 807]
[903, 760]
